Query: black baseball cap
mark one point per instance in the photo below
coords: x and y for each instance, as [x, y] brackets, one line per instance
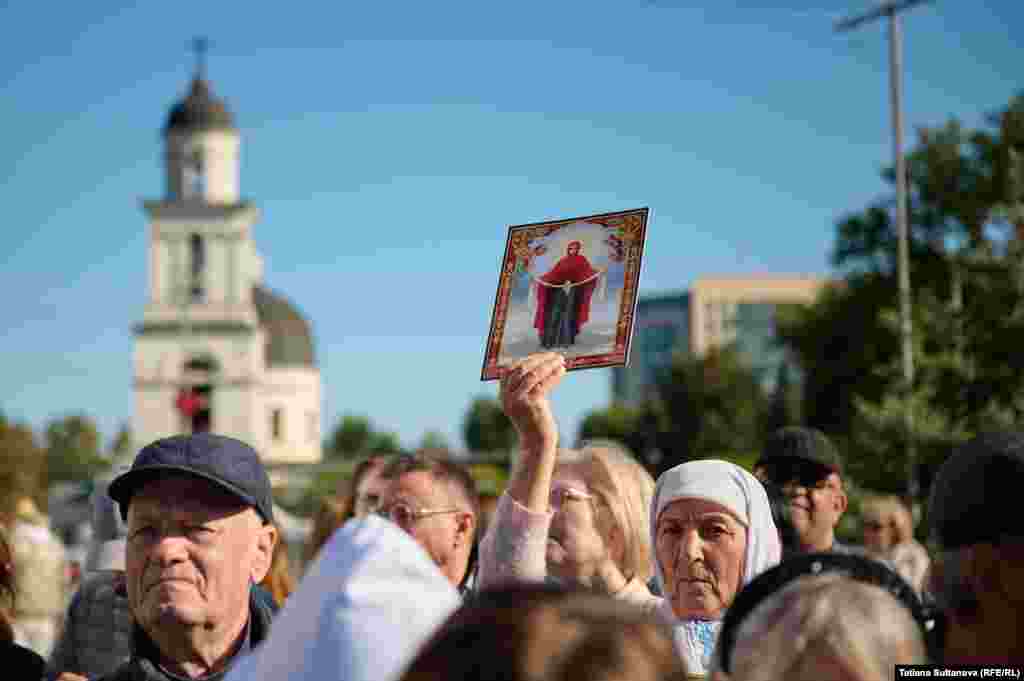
[230, 464]
[975, 491]
[796, 443]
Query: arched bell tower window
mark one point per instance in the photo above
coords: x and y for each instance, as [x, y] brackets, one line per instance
[194, 175]
[197, 261]
[194, 401]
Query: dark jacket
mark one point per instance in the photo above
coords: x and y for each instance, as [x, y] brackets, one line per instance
[20, 663]
[143, 665]
[97, 634]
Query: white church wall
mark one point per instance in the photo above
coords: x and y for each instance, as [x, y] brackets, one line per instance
[153, 419]
[232, 413]
[162, 357]
[244, 395]
[216, 274]
[295, 394]
[227, 277]
[157, 417]
[218, 150]
[228, 257]
[221, 150]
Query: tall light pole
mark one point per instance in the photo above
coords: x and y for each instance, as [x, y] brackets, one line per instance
[892, 9]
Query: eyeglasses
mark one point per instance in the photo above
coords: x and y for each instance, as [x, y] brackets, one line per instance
[874, 525]
[559, 495]
[793, 475]
[404, 515]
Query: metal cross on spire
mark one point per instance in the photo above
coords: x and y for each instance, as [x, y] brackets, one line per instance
[200, 45]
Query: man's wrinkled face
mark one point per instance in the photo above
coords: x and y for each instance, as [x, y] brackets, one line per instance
[816, 498]
[574, 249]
[433, 523]
[701, 550]
[192, 553]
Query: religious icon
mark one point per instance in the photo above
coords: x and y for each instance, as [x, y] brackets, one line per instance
[568, 286]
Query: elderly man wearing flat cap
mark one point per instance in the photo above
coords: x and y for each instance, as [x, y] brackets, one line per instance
[200, 536]
[805, 465]
[975, 519]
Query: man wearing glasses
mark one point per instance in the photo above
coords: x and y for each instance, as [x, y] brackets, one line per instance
[805, 465]
[435, 500]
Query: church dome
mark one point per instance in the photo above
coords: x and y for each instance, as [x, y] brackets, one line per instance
[289, 337]
[200, 110]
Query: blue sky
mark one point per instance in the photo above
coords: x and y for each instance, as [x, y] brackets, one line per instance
[389, 145]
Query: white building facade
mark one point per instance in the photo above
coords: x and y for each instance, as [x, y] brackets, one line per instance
[216, 350]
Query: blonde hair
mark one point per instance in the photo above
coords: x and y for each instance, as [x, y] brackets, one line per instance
[627, 489]
[859, 626]
[889, 510]
[279, 580]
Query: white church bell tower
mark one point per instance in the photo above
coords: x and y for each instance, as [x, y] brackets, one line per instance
[216, 350]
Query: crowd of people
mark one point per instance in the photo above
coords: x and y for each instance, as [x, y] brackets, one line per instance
[588, 568]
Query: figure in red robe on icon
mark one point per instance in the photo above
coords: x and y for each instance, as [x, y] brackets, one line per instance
[563, 298]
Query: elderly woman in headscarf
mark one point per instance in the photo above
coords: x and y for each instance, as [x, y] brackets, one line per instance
[712, 531]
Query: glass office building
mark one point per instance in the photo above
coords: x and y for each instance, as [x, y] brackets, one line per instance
[713, 313]
[662, 327]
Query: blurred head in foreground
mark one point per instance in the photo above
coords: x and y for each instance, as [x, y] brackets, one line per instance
[826, 627]
[979, 577]
[543, 633]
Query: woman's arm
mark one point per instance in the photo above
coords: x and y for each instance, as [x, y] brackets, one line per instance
[516, 543]
[524, 398]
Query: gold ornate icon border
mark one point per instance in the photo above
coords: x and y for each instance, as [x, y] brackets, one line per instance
[632, 230]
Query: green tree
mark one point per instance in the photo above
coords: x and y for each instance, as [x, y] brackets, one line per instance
[73, 449]
[485, 427]
[121, 445]
[355, 436]
[784, 403]
[966, 246]
[433, 439]
[706, 407]
[839, 342]
[22, 462]
[617, 422]
[385, 442]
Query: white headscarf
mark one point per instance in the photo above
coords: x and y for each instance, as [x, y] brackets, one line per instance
[744, 496]
[368, 603]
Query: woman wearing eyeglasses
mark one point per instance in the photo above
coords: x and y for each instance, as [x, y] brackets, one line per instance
[578, 517]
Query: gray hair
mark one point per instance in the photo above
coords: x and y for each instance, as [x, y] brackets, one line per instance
[858, 625]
